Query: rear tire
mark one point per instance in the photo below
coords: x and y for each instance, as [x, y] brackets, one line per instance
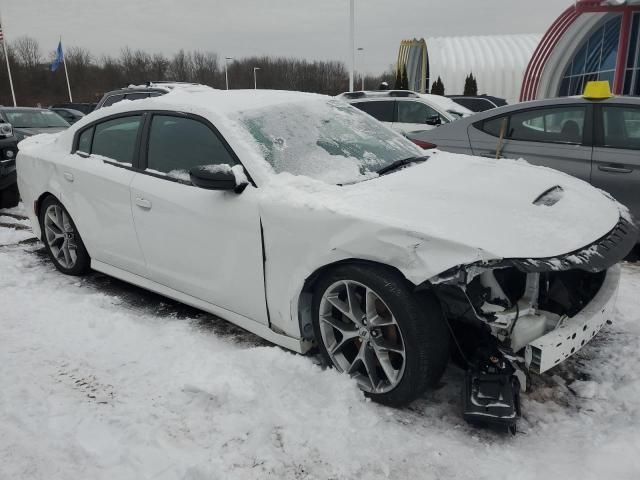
[62, 239]
[369, 323]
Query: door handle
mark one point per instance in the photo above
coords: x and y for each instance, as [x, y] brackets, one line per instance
[68, 176]
[143, 203]
[614, 169]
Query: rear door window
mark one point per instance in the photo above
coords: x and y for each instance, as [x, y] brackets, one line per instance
[621, 127]
[382, 110]
[493, 126]
[417, 112]
[549, 125]
[116, 139]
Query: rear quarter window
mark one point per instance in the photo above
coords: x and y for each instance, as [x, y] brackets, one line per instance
[113, 99]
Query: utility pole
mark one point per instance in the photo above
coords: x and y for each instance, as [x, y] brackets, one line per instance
[255, 78]
[352, 43]
[6, 56]
[226, 72]
[360, 49]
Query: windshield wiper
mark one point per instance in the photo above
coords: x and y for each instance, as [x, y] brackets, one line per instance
[400, 163]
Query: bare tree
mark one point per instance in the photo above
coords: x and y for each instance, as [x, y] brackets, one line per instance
[159, 66]
[181, 67]
[27, 52]
[205, 68]
[91, 77]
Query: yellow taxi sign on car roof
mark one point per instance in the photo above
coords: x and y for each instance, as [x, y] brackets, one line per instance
[597, 90]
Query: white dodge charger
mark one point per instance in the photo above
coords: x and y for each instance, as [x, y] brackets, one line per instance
[307, 222]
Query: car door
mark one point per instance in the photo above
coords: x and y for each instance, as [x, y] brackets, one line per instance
[413, 116]
[558, 137]
[203, 243]
[616, 154]
[96, 180]
[381, 110]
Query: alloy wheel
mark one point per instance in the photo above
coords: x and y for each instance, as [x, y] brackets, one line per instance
[362, 336]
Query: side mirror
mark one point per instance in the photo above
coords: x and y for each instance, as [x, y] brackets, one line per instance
[218, 177]
[434, 120]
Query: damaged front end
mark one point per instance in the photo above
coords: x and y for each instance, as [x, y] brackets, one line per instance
[533, 312]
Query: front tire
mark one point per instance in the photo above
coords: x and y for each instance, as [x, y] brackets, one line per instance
[9, 197]
[62, 239]
[370, 324]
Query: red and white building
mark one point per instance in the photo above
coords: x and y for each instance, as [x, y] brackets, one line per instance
[591, 40]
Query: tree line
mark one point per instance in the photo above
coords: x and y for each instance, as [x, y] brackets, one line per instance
[91, 76]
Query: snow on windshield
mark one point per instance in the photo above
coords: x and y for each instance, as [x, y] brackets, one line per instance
[26, 118]
[325, 139]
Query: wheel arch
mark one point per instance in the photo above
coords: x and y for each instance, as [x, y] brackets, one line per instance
[37, 207]
[305, 298]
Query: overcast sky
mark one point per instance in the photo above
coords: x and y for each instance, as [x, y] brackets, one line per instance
[311, 29]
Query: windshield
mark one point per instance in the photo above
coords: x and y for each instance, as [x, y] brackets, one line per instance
[34, 119]
[325, 139]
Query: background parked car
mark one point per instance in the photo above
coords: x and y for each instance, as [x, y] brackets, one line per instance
[478, 103]
[85, 108]
[31, 121]
[451, 106]
[138, 92]
[8, 150]
[403, 110]
[69, 114]
[598, 142]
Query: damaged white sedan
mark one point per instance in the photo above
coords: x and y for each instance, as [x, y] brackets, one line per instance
[307, 222]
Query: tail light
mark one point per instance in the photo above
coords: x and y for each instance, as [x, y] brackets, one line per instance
[424, 145]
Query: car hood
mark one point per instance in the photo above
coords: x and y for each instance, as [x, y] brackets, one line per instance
[500, 208]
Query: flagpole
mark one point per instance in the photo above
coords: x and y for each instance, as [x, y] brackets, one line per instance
[66, 73]
[6, 56]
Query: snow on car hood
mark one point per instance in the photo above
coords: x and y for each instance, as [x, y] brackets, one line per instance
[467, 209]
[489, 205]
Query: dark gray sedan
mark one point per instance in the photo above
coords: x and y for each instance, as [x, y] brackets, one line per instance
[597, 141]
[31, 121]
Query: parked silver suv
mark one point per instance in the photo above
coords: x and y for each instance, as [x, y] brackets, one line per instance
[406, 111]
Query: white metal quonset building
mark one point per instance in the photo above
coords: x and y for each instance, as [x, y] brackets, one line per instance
[498, 62]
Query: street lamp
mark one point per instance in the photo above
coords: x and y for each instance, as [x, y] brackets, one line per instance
[226, 72]
[360, 49]
[255, 79]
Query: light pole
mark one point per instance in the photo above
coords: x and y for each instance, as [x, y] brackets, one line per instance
[255, 78]
[360, 49]
[352, 44]
[226, 72]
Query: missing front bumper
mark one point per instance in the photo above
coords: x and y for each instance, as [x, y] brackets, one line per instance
[573, 333]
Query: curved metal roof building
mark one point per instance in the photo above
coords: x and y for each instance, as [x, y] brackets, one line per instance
[498, 62]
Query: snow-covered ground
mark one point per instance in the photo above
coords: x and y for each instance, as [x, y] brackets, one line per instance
[102, 380]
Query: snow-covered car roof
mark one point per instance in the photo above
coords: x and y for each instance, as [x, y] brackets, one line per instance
[448, 104]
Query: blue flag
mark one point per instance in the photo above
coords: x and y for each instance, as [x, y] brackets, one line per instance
[58, 60]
